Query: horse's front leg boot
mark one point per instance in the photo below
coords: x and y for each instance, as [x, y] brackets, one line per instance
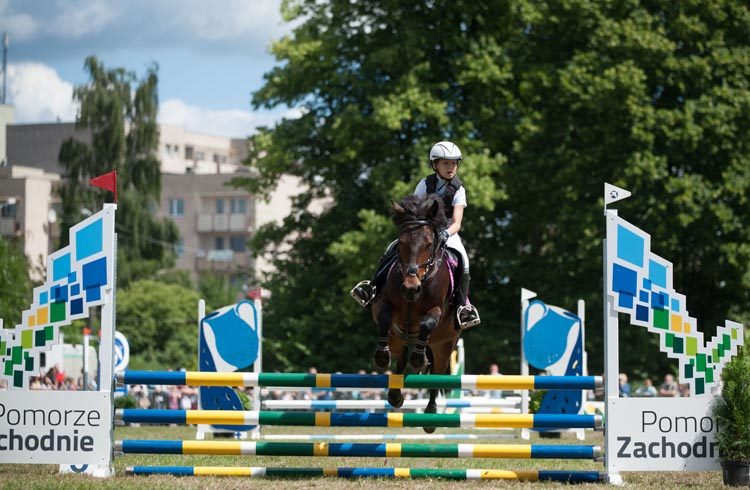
[382, 359]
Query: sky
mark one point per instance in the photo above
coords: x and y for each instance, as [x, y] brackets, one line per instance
[211, 56]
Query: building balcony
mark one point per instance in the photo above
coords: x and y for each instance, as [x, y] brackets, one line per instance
[209, 223]
[223, 261]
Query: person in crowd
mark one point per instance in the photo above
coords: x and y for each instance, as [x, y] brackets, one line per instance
[647, 389]
[494, 371]
[622, 379]
[669, 387]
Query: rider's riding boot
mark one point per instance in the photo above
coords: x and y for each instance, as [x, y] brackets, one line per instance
[363, 293]
[466, 314]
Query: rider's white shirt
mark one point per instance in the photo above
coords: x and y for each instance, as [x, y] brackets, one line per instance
[459, 199]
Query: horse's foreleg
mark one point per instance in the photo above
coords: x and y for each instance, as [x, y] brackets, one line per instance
[418, 357]
[382, 356]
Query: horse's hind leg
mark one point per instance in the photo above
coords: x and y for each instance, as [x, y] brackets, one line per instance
[395, 397]
[431, 408]
[440, 364]
[382, 356]
[431, 403]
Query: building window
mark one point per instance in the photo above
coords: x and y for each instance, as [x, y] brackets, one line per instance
[176, 207]
[8, 210]
[239, 205]
[188, 152]
[237, 243]
[219, 243]
[180, 248]
[219, 206]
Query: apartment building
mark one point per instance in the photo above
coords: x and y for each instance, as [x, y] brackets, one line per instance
[215, 221]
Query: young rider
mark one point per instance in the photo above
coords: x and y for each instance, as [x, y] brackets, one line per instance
[445, 158]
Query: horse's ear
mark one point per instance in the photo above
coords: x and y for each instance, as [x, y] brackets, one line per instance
[435, 208]
[397, 208]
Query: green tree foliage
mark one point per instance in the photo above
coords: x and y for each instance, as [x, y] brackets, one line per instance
[120, 113]
[548, 100]
[217, 290]
[15, 285]
[160, 322]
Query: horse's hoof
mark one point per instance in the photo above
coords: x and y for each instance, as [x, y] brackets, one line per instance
[382, 360]
[395, 398]
[430, 408]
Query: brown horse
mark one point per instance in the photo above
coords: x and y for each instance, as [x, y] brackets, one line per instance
[415, 309]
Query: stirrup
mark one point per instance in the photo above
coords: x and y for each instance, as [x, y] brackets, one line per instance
[363, 293]
[472, 317]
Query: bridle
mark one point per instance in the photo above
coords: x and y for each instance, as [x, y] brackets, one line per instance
[432, 265]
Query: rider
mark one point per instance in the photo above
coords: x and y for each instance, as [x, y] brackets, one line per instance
[445, 158]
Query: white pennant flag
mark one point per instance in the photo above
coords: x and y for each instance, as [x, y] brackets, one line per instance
[613, 193]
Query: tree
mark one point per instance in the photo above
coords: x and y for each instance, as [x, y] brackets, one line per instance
[548, 100]
[217, 290]
[160, 322]
[120, 113]
[15, 285]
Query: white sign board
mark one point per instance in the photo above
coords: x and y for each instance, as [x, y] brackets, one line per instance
[662, 434]
[54, 427]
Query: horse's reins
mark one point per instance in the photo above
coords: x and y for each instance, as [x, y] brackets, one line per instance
[429, 270]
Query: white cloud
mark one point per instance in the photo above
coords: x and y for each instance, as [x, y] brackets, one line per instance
[39, 95]
[80, 19]
[20, 27]
[233, 123]
[234, 19]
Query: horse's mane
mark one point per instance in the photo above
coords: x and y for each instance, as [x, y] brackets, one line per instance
[429, 207]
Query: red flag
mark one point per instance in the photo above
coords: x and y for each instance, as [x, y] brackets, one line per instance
[107, 182]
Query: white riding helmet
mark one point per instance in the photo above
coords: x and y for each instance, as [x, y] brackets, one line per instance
[444, 150]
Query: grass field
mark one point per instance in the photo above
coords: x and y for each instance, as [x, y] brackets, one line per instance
[26, 477]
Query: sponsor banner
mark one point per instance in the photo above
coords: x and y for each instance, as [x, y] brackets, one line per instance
[122, 352]
[662, 434]
[55, 427]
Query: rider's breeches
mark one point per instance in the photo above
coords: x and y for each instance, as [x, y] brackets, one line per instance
[455, 243]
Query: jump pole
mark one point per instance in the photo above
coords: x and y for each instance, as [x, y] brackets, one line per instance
[358, 419]
[394, 450]
[385, 381]
[414, 473]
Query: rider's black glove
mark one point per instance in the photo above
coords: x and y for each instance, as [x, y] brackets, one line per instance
[443, 236]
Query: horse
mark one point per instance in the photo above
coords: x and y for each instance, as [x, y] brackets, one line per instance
[415, 308]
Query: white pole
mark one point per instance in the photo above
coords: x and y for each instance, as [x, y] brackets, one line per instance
[258, 365]
[611, 361]
[85, 372]
[526, 295]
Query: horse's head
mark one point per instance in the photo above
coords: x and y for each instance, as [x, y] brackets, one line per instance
[419, 220]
